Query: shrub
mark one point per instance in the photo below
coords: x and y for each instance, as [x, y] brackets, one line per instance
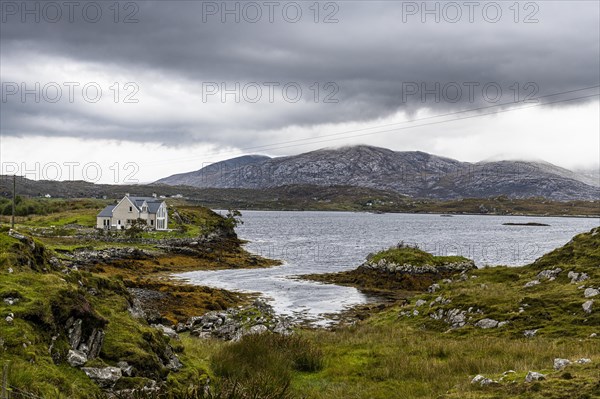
[260, 366]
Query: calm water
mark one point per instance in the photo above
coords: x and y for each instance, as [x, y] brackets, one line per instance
[323, 242]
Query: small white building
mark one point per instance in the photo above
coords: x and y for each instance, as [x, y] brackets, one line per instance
[122, 215]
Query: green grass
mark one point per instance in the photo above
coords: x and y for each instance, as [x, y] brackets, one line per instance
[384, 360]
[583, 252]
[263, 364]
[413, 256]
[83, 217]
[26, 342]
[45, 301]
[26, 206]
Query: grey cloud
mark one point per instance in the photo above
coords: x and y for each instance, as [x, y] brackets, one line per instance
[371, 54]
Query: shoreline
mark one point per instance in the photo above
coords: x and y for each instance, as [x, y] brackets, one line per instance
[414, 213]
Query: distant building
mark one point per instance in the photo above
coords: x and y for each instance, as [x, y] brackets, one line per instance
[122, 215]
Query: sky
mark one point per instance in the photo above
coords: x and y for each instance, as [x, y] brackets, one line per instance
[133, 91]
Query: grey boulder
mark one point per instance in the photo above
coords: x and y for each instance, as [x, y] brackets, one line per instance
[487, 323]
[106, 377]
[587, 306]
[76, 358]
[534, 376]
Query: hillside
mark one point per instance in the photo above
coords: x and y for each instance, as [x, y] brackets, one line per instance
[85, 313]
[213, 172]
[416, 174]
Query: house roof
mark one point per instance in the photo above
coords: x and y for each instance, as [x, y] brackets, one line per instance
[106, 212]
[153, 206]
[153, 203]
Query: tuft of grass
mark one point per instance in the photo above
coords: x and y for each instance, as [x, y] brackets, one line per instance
[262, 365]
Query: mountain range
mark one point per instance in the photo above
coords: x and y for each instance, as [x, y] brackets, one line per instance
[411, 173]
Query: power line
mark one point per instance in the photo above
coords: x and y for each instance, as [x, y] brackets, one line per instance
[310, 140]
[445, 121]
[420, 119]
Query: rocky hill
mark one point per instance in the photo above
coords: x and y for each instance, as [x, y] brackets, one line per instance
[414, 173]
[213, 171]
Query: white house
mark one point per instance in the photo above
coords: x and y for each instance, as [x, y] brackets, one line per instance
[122, 215]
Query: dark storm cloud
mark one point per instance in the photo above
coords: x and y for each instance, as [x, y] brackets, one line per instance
[375, 54]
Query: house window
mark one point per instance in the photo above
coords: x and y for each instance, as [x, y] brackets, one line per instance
[130, 209]
[152, 222]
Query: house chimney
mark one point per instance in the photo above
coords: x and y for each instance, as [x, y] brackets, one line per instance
[127, 194]
[154, 195]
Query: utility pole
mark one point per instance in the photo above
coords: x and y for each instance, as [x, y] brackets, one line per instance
[5, 381]
[12, 220]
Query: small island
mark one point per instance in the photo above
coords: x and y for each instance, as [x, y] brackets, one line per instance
[525, 224]
[399, 268]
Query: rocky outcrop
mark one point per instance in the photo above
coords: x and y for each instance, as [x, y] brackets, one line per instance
[200, 245]
[550, 274]
[487, 323]
[106, 377]
[87, 257]
[483, 381]
[140, 300]
[94, 343]
[126, 369]
[560, 364]
[22, 238]
[531, 283]
[455, 317]
[171, 361]
[232, 324]
[577, 277]
[166, 331]
[391, 267]
[82, 348]
[534, 376]
[76, 358]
